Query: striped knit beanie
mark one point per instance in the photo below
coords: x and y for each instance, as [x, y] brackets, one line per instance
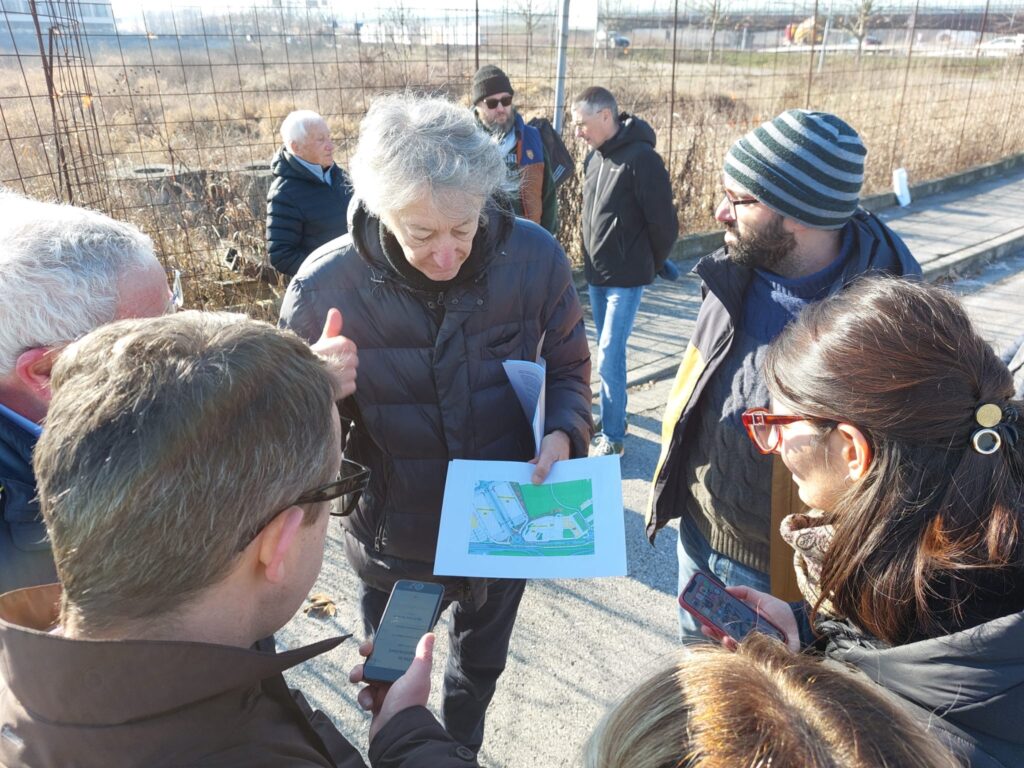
[807, 166]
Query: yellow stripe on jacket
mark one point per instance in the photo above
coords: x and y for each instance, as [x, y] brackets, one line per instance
[689, 373]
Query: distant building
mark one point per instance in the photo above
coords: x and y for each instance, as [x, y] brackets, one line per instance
[87, 18]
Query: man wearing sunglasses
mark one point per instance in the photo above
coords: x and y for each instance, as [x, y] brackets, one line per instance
[794, 234]
[186, 476]
[521, 144]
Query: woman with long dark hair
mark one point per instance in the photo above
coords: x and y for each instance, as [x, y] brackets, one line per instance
[900, 427]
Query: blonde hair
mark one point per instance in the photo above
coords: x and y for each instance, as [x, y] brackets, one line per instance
[760, 706]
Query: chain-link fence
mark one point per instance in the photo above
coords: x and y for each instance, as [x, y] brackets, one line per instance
[168, 118]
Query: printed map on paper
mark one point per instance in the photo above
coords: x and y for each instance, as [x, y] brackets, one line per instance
[513, 519]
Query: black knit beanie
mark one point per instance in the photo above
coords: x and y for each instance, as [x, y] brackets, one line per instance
[489, 80]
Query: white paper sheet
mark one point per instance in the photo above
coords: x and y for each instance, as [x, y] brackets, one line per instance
[528, 383]
[496, 523]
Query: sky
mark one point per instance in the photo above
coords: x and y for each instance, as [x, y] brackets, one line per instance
[373, 8]
[584, 14]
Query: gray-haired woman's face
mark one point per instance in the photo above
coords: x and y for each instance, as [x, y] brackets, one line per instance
[436, 233]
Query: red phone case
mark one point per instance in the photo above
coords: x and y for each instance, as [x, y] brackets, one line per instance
[708, 622]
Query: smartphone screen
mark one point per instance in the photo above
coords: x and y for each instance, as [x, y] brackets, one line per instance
[707, 599]
[410, 613]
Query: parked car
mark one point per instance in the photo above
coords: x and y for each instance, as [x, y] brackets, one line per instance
[1010, 45]
[869, 41]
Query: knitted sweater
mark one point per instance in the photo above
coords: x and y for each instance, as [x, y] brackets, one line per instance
[728, 480]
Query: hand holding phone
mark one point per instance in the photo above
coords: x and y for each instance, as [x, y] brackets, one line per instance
[412, 609]
[385, 700]
[705, 597]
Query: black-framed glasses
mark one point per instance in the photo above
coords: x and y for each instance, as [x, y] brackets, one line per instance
[743, 201]
[505, 101]
[349, 486]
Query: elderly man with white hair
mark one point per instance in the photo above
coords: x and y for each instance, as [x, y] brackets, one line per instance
[63, 272]
[439, 284]
[308, 199]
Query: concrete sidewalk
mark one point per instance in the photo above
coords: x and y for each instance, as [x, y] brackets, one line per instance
[949, 233]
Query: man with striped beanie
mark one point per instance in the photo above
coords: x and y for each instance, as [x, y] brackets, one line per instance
[794, 234]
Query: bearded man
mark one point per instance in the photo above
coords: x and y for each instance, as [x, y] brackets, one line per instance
[794, 235]
[520, 144]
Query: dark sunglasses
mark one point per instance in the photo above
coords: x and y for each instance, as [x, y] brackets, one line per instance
[349, 486]
[505, 101]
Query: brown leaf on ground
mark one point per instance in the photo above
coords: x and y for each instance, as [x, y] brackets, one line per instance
[321, 606]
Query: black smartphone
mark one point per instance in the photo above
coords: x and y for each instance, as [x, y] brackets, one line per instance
[705, 597]
[412, 609]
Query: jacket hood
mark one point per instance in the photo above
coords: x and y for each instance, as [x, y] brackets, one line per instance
[364, 229]
[973, 678]
[873, 248]
[125, 680]
[632, 130]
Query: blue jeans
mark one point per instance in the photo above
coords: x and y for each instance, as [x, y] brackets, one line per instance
[695, 554]
[614, 310]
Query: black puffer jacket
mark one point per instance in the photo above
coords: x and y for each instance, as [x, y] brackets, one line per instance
[303, 212]
[966, 687]
[629, 219]
[431, 384]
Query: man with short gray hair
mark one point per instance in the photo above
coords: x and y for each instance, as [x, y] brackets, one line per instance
[307, 203]
[187, 477]
[63, 272]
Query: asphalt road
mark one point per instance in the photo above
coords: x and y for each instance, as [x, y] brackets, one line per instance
[579, 644]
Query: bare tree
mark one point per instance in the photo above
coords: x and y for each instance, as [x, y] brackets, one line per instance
[713, 13]
[532, 13]
[859, 21]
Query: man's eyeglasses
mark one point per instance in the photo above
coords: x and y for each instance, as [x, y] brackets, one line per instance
[733, 203]
[763, 427]
[349, 486]
[505, 101]
[352, 481]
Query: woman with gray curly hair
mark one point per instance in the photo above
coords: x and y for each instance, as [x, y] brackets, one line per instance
[438, 284]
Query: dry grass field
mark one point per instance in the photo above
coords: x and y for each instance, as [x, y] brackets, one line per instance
[174, 133]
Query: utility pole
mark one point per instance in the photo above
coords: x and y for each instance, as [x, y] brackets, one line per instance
[563, 49]
[824, 39]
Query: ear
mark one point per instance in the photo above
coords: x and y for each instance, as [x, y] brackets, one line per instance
[856, 451]
[793, 226]
[33, 368]
[275, 541]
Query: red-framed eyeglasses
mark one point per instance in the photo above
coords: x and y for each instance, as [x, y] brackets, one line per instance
[763, 427]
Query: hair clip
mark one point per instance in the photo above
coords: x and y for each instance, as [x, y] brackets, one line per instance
[986, 441]
[997, 425]
[988, 415]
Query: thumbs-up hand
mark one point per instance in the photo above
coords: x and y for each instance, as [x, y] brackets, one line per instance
[340, 354]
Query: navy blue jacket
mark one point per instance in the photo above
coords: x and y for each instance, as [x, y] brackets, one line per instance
[303, 212]
[25, 558]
